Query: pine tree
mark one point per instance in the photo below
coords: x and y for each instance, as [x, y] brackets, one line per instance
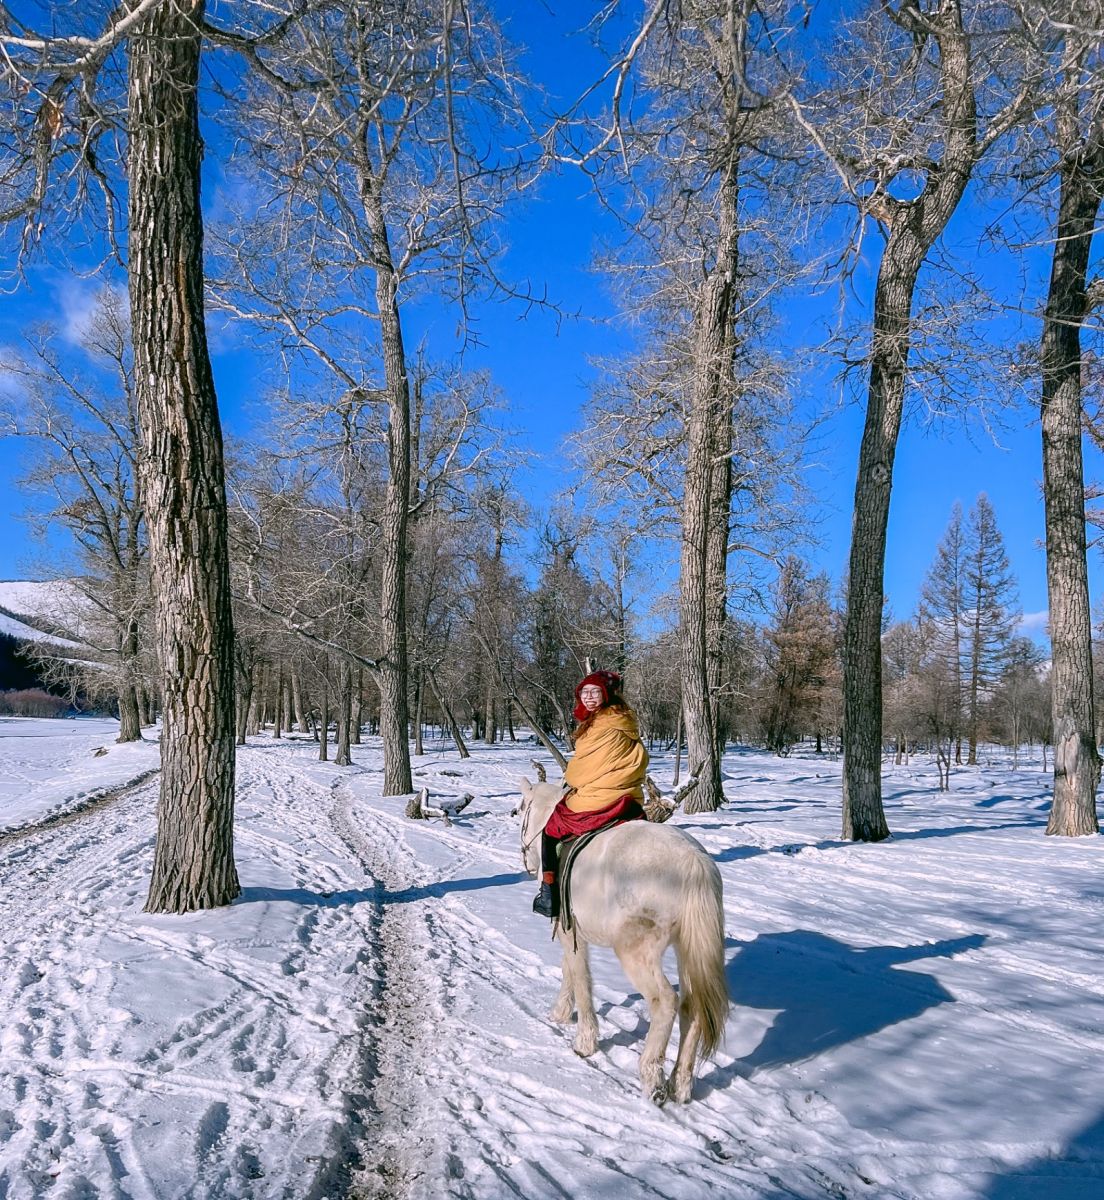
[990, 611]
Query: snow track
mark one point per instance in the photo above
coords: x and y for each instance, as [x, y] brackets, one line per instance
[918, 1020]
[237, 1032]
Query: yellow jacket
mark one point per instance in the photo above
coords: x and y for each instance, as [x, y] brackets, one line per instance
[610, 760]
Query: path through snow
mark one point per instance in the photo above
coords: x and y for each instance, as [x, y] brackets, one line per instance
[922, 1019]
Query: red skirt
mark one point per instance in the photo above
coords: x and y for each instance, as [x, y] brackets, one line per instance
[564, 823]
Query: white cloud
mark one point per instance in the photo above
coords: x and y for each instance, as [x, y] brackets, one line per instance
[78, 299]
[1035, 622]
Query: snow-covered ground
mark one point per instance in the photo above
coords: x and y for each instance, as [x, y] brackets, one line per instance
[51, 766]
[922, 1018]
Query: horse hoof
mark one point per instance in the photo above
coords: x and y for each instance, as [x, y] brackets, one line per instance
[584, 1049]
[660, 1095]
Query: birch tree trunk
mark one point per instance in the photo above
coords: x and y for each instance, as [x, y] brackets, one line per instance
[1076, 758]
[183, 481]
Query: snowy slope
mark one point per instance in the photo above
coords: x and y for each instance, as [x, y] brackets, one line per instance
[54, 604]
[920, 1019]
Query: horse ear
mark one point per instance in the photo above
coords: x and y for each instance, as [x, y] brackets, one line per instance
[526, 787]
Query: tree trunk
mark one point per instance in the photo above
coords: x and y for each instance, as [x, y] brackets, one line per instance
[302, 721]
[975, 680]
[324, 724]
[1076, 758]
[392, 675]
[342, 757]
[711, 399]
[419, 703]
[678, 747]
[863, 815]
[130, 718]
[130, 722]
[358, 708]
[183, 480]
[913, 229]
[443, 704]
[278, 703]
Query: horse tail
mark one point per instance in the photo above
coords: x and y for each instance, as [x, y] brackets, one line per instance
[699, 943]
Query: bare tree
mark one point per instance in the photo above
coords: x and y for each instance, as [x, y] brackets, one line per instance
[367, 124]
[694, 152]
[183, 481]
[905, 162]
[1078, 144]
[59, 115]
[83, 428]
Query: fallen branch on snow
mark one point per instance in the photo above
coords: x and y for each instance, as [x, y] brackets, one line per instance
[418, 807]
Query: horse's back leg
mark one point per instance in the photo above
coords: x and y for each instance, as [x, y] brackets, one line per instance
[642, 961]
[682, 1078]
[577, 982]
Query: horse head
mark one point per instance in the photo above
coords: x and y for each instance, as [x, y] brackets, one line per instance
[537, 802]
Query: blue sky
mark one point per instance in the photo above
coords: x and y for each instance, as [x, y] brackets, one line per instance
[541, 366]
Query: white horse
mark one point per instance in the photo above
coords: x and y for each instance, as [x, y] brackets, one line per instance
[638, 888]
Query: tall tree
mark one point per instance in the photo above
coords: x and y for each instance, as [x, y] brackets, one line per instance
[941, 612]
[60, 114]
[691, 160]
[902, 133]
[1078, 140]
[375, 131]
[183, 481]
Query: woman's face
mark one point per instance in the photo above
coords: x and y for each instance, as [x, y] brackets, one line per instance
[592, 697]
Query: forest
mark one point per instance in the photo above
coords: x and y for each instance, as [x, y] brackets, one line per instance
[366, 562]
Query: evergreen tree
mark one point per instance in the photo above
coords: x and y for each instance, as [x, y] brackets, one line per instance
[991, 611]
[801, 648]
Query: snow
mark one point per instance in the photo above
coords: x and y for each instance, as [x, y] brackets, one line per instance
[920, 1019]
[48, 767]
[56, 603]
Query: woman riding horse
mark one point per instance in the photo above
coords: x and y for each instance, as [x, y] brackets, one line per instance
[604, 779]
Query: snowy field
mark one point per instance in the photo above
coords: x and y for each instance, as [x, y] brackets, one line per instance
[921, 1019]
[49, 767]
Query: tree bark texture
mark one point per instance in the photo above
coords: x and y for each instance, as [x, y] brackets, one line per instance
[392, 674]
[863, 815]
[1076, 758]
[710, 404]
[913, 229]
[342, 757]
[183, 481]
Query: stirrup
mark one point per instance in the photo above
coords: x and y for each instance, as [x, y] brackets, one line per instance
[543, 901]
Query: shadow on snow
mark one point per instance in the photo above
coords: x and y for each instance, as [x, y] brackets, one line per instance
[827, 993]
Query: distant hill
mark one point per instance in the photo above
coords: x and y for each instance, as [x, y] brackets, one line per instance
[35, 611]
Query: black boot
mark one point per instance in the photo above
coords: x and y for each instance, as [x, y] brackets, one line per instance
[544, 902]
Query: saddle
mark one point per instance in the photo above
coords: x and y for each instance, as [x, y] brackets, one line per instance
[567, 851]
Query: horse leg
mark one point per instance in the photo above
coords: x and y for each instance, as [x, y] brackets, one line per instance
[565, 1001]
[682, 1079]
[643, 964]
[576, 969]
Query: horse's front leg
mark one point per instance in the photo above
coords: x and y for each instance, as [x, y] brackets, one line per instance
[565, 1000]
[576, 974]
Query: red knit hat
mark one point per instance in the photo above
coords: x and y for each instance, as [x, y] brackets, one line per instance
[608, 681]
